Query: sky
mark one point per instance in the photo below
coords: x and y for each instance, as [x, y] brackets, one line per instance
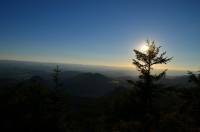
[99, 32]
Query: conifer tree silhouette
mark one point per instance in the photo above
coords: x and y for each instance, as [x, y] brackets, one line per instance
[144, 63]
[56, 73]
[195, 78]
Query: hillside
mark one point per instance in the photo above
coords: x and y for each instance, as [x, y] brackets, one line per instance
[89, 84]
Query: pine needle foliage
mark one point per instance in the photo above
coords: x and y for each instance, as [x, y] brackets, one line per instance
[56, 79]
[144, 62]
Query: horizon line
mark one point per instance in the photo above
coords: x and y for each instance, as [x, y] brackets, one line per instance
[95, 65]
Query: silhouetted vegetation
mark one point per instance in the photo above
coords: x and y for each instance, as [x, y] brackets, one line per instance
[195, 78]
[146, 89]
[56, 78]
[102, 104]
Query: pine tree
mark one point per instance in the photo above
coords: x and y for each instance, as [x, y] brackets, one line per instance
[56, 74]
[195, 78]
[144, 63]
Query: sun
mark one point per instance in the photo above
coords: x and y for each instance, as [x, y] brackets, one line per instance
[144, 48]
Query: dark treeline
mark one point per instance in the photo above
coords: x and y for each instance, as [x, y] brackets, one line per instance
[144, 106]
[31, 106]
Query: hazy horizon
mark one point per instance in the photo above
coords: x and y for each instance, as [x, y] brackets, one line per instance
[99, 32]
[127, 71]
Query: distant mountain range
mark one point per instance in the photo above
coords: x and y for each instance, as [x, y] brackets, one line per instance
[76, 79]
[8, 67]
[89, 84]
[79, 80]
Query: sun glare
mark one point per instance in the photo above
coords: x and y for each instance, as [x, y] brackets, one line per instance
[144, 48]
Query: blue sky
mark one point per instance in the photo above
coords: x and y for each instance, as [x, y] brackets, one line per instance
[99, 32]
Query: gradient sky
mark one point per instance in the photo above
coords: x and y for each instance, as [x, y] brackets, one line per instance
[99, 32]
